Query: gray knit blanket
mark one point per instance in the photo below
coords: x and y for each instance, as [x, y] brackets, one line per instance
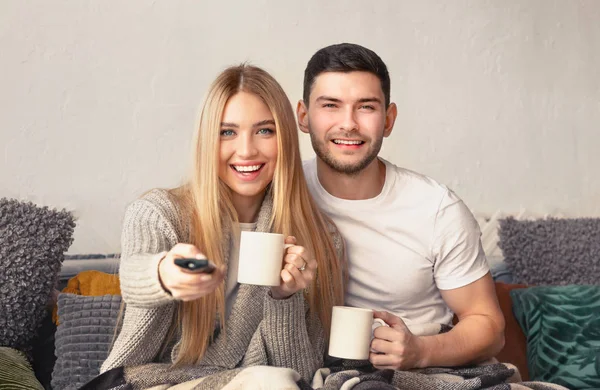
[338, 375]
[361, 375]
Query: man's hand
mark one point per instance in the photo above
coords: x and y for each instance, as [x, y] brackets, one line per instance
[395, 347]
[478, 335]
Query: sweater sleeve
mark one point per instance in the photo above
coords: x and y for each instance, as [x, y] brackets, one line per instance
[147, 236]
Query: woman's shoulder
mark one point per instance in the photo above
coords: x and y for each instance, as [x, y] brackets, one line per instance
[158, 199]
[338, 240]
[158, 202]
[331, 227]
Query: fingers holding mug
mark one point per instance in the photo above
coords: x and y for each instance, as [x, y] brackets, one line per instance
[300, 258]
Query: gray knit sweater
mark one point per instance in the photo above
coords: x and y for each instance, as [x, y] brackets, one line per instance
[259, 331]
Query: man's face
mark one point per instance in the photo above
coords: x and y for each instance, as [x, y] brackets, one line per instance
[346, 119]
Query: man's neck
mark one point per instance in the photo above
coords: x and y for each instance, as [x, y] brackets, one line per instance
[365, 184]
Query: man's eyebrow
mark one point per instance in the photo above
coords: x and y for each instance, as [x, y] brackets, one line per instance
[328, 98]
[369, 100]
[265, 122]
[362, 100]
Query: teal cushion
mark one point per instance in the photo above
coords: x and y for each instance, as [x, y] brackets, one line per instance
[16, 372]
[562, 326]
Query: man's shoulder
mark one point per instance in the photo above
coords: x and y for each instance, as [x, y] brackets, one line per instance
[309, 165]
[310, 172]
[413, 184]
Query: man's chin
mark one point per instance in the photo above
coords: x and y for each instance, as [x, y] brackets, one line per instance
[345, 162]
[346, 167]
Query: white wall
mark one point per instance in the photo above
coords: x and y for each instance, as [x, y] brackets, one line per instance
[498, 99]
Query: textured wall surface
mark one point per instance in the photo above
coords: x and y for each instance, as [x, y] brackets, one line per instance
[498, 99]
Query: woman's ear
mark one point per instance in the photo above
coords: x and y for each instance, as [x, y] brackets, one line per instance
[302, 115]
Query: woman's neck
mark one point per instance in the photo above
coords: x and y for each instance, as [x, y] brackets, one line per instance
[247, 207]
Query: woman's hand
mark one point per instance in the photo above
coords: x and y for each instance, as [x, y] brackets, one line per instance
[183, 284]
[298, 271]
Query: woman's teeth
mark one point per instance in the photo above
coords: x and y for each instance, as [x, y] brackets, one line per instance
[246, 168]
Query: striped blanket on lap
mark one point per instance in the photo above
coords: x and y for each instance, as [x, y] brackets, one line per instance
[340, 375]
[16, 372]
[345, 374]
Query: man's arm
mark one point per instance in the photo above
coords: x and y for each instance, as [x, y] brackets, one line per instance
[478, 336]
[479, 333]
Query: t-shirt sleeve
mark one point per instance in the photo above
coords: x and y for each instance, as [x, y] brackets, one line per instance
[457, 250]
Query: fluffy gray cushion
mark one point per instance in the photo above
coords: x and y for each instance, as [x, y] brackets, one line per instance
[552, 251]
[32, 242]
[83, 337]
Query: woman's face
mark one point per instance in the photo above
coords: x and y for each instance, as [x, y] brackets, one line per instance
[248, 146]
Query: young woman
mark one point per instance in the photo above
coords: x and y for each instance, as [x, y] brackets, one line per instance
[247, 175]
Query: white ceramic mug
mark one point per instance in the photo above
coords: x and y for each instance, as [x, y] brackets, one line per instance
[351, 332]
[261, 258]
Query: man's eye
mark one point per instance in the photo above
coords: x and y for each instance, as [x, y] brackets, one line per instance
[367, 107]
[328, 105]
[227, 133]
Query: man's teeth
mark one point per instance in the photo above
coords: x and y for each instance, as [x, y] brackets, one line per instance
[247, 168]
[345, 142]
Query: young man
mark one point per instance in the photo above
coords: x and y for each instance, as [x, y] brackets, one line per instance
[413, 247]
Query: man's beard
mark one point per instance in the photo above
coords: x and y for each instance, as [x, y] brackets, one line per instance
[323, 152]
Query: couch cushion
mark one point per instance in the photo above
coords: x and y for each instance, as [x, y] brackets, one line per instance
[83, 337]
[552, 251]
[515, 343]
[562, 326]
[90, 283]
[15, 371]
[501, 273]
[32, 242]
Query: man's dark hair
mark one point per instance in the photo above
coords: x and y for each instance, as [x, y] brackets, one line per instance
[345, 57]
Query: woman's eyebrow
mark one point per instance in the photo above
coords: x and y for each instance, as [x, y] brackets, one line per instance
[265, 122]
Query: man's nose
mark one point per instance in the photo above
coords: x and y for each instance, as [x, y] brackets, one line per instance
[349, 122]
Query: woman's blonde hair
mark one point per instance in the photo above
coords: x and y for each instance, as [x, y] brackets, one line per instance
[207, 200]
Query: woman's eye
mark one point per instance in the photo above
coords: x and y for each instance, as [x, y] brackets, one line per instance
[266, 131]
[227, 133]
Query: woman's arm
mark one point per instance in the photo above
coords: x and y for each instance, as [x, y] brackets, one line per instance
[147, 316]
[147, 236]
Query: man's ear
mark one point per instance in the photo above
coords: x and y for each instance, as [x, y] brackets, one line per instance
[302, 114]
[390, 119]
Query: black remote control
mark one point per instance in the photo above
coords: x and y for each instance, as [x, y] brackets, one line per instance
[196, 265]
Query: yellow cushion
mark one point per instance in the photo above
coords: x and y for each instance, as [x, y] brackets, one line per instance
[91, 283]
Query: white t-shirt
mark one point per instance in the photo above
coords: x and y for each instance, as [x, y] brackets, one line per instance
[232, 286]
[405, 244]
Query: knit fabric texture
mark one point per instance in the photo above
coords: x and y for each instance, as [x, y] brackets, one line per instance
[33, 240]
[259, 330]
[552, 251]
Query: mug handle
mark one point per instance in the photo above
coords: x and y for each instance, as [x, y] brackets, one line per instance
[377, 322]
